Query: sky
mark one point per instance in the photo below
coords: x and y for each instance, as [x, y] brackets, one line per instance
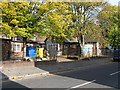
[113, 2]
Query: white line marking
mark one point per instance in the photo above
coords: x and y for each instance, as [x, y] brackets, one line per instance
[83, 84]
[114, 73]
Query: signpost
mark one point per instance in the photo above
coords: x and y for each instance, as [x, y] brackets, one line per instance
[39, 52]
[31, 52]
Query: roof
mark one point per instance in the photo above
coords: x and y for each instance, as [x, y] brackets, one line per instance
[73, 40]
[90, 39]
[41, 39]
[3, 39]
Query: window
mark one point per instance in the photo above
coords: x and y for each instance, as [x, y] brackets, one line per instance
[29, 45]
[16, 47]
[14, 38]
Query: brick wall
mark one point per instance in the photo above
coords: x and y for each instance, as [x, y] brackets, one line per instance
[0, 50]
[6, 50]
[17, 55]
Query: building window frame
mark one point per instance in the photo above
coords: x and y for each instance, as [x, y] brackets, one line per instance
[16, 47]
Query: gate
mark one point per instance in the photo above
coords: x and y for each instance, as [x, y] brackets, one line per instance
[52, 50]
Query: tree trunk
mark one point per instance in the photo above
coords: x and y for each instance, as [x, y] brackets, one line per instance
[24, 47]
[81, 44]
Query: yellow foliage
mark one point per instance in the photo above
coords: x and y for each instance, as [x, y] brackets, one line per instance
[14, 21]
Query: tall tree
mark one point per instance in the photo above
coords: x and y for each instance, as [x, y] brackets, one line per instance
[84, 18]
[17, 19]
[49, 19]
[53, 20]
[106, 21]
[114, 32]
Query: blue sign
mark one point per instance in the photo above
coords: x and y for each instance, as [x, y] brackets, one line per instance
[85, 49]
[31, 52]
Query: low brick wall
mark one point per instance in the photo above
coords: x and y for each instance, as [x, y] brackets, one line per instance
[16, 64]
[21, 64]
[51, 62]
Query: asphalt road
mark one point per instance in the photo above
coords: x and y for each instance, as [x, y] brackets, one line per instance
[104, 76]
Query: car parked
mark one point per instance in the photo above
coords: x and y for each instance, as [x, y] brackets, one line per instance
[116, 55]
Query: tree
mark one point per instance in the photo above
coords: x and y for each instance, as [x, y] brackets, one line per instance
[108, 22]
[114, 32]
[53, 20]
[84, 19]
[16, 19]
[49, 19]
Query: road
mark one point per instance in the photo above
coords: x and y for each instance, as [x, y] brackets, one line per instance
[103, 76]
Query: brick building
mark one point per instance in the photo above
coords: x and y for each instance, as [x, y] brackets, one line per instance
[12, 48]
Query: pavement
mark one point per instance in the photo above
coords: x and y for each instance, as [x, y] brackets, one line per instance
[62, 65]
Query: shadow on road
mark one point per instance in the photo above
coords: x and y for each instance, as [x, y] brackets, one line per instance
[8, 84]
[99, 74]
[88, 58]
[87, 74]
[96, 74]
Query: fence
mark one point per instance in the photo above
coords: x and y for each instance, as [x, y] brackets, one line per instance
[75, 51]
[106, 52]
